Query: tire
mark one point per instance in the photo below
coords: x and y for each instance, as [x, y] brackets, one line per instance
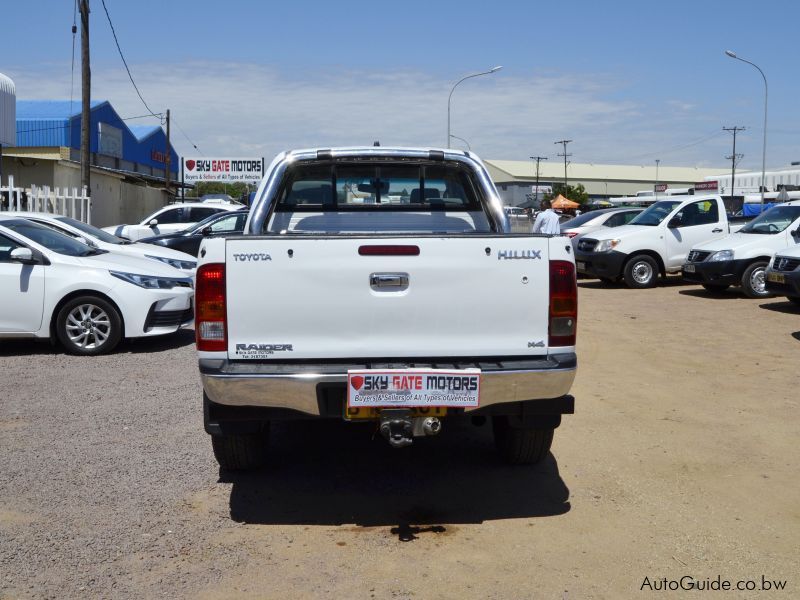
[520, 445]
[794, 299]
[641, 272]
[753, 281]
[240, 452]
[715, 288]
[88, 325]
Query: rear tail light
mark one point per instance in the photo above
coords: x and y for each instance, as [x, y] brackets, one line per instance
[210, 311]
[571, 234]
[389, 250]
[563, 304]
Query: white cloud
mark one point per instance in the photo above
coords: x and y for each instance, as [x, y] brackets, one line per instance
[250, 109]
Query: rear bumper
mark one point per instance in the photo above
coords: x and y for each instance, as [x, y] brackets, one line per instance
[308, 388]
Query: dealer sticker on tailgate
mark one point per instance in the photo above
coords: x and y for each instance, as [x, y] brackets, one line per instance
[413, 387]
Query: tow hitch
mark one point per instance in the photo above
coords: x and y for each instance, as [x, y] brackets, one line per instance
[400, 428]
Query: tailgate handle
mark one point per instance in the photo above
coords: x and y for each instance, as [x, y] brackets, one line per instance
[388, 281]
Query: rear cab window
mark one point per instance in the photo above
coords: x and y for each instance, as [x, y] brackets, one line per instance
[375, 196]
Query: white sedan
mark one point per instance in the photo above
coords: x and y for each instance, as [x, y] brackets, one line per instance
[171, 219]
[106, 241]
[53, 286]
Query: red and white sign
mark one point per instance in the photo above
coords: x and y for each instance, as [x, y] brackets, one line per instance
[228, 170]
[707, 186]
[661, 187]
[413, 387]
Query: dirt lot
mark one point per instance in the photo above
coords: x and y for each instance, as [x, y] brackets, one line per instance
[682, 459]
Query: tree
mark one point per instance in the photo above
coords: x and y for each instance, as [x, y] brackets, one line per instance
[234, 190]
[575, 193]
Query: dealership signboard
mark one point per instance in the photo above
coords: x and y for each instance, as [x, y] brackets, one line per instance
[706, 186]
[225, 170]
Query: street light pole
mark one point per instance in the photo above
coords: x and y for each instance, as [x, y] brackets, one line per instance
[658, 160]
[490, 71]
[764, 148]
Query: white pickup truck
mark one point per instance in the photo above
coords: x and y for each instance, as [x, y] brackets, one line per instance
[378, 284]
[655, 242]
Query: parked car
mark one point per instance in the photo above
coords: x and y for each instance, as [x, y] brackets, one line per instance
[54, 286]
[742, 257]
[655, 242]
[782, 276]
[188, 241]
[106, 241]
[171, 218]
[597, 219]
[336, 305]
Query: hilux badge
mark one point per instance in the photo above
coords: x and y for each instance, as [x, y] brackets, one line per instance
[519, 254]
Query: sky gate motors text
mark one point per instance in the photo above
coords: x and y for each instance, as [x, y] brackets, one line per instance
[227, 165]
[421, 382]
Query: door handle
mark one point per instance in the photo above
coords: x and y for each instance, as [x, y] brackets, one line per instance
[717, 230]
[388, 281]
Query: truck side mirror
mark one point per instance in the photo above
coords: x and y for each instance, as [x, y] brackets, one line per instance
[153, 222]
[674, 223]
[206, 230]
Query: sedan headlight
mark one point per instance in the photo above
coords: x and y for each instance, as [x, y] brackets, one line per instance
[184, 265]
[606, 245]
[720, 256]
[152, 282]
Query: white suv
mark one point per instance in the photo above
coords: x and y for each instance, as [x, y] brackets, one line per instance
[171, 219]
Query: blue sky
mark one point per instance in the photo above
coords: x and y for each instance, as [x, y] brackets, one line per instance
[629, 82]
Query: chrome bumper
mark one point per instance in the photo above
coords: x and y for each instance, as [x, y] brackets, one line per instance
[241, 383]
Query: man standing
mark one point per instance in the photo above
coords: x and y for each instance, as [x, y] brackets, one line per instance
[547, 220]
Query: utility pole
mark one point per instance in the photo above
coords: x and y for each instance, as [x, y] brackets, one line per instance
[565, 155]
[537, 159]
[167, 160]
[733, 157]
[86, 95]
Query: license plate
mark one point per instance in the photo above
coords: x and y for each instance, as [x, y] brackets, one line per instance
[407, 388]
[776, 277]
[356, 413]
[581, 266]
[688, 268]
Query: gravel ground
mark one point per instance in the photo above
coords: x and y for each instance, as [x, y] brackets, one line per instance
[680, 460]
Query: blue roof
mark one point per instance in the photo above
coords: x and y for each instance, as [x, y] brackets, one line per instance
[51, 109]
[143, 131]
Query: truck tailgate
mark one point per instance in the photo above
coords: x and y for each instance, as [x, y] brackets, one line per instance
[294, 298]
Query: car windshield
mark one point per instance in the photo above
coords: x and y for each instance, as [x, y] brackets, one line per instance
[50, 239]
[93, 231]
[775, 220]
[656, 213]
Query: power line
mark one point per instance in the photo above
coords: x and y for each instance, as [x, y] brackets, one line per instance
[187, 137]
[124, 62]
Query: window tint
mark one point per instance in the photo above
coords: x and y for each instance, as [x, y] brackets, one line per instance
[698, 213]
[615, 220]
[630, 216]
[6, 246]
[198, 213]
[172, 216]
[354, 186]
[49, 238]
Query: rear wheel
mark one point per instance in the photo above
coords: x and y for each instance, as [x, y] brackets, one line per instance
[89, 325]
[753, 282]
[240, 452]
[521, 445]
[641, 271]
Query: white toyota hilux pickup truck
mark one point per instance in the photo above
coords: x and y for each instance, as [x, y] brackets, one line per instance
[378, 284]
